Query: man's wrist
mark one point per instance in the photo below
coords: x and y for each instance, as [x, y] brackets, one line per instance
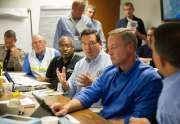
[65, 86]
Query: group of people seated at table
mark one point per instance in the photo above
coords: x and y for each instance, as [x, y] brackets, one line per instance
[123, 84]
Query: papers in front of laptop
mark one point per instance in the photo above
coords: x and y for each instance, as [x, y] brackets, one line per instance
[26, 83]
[46, 92]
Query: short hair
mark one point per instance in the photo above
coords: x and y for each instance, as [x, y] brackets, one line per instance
[78, 3]
[167, 42]
[152, 28]
[91, 7]
[126, 35]
[10, 34]
[39, 36]
[128, 4]
[90, 31]
[67, 38]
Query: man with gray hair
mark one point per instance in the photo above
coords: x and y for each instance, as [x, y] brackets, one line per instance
[127, 88]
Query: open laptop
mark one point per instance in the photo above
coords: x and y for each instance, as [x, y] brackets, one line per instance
[43, 109]
[22, 88]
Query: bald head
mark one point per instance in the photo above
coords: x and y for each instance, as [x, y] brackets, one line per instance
[66, 47]
[38, 43]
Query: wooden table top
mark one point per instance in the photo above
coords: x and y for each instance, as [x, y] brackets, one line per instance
[85, 116]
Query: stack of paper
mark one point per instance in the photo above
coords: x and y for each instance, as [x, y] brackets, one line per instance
[27, 102]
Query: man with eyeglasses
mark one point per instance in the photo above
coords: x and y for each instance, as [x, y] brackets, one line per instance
[88, 68]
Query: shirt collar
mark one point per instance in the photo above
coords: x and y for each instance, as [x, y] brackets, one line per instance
[136, 63]
[40, 56]
[74, 20]
[96, 59]
[69, 59]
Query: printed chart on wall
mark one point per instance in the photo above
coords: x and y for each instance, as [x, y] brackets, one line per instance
[19, 20]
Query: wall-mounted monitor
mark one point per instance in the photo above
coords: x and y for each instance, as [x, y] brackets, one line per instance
[170, 10]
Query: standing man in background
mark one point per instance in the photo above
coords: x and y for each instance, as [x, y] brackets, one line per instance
[11, 56]
[37, 62]
[91, 11]
[73, 25]
[132, 22]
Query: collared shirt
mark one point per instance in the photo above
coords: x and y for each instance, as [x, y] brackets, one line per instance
[67, 27]
[40, 56]
[125, 94]
[57, 62]
[169, 101]
[93, 67]
[15, 62]
[123, 23]
[98, 26]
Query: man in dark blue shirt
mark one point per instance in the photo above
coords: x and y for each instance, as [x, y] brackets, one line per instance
[132, 22]
[128, 88]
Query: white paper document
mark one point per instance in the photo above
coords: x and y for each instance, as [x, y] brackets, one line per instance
[21, 79]
[27, 102]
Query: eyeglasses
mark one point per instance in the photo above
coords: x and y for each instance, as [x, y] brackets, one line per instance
[90, 43]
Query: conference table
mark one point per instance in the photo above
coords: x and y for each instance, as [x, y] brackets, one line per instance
[84, 116]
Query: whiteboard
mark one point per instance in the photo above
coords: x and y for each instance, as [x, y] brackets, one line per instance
[49, 16]
[19, 20]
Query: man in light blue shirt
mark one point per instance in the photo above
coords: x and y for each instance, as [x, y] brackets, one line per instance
[90, 11]
[166, 54]
[73, 24]
[88, 68]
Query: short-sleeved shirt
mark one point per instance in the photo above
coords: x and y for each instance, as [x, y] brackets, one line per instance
[57, 62]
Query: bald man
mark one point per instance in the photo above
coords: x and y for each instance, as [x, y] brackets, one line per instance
[37, 62]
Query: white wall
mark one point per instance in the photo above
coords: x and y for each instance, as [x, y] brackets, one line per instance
[34, 5]
[147, 10]
[56, 2]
